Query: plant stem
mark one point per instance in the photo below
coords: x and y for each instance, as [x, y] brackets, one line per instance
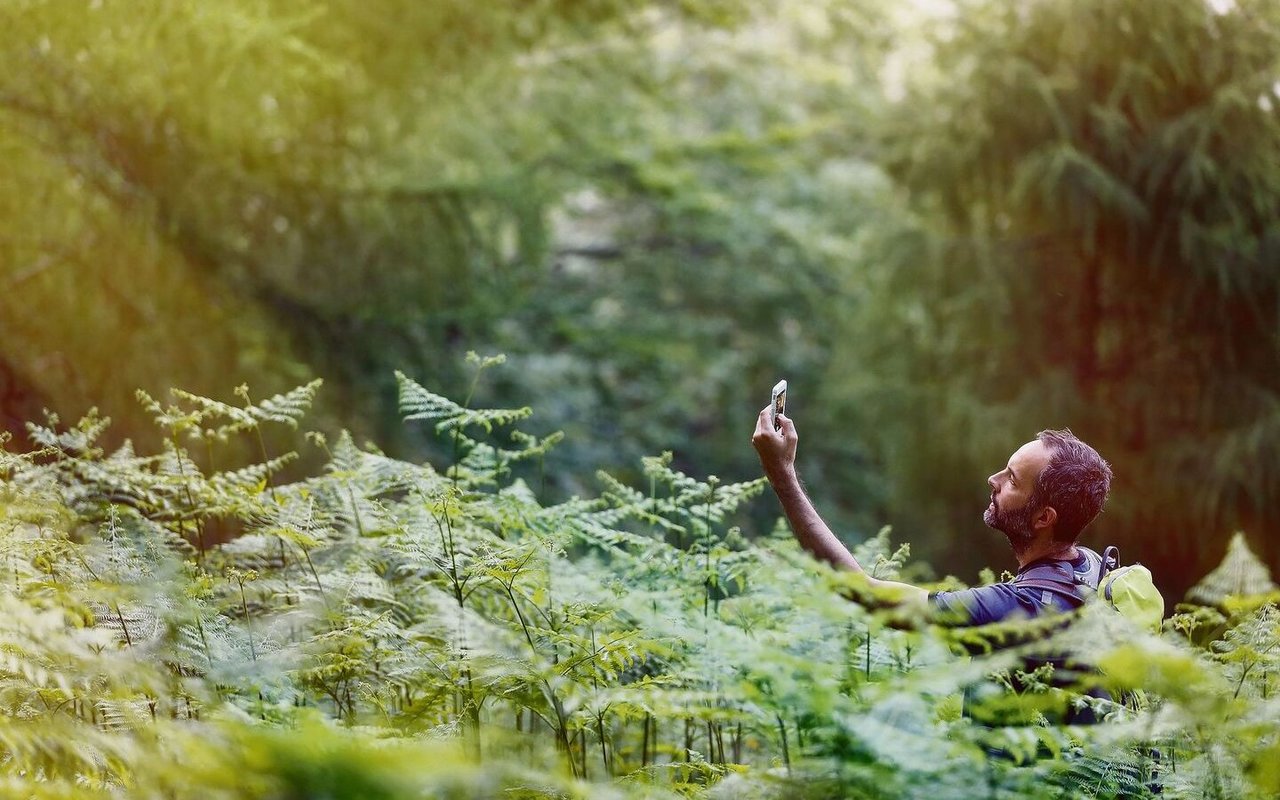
[712, 482]
[248, 621]
[307, 555]
[191, 500]
[204, 641]
[128, 639]
[786, 754]
[644, 742]
[867, 653]
[604, 753]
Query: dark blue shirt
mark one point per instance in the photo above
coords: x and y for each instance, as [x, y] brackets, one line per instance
[1015, 599]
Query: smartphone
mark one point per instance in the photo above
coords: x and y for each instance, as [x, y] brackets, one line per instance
[779, 405]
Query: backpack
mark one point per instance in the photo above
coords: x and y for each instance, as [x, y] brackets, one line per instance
[1128, 589]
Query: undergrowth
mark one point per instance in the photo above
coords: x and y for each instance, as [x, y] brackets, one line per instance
[392, 629]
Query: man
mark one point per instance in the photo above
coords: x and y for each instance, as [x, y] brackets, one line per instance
[1049, 491]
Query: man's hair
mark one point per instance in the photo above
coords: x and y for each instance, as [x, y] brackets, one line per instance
[1075, 482]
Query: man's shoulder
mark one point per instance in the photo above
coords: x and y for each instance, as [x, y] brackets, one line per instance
[997, 602]
[1077, 573]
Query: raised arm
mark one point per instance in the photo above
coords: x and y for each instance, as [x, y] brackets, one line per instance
[777, 451]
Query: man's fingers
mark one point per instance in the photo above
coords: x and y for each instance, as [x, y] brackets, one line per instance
[788, 427]
[762, 422]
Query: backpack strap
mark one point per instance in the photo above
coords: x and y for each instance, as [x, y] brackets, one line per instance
[1110, 561]
[1053, 576]
[1095, 568]
[1060, 577]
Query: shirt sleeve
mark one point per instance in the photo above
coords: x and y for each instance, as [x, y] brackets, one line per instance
[999, 601]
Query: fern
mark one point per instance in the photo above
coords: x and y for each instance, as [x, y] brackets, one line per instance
[77, 441]
[418, 403]
[205, 417]
[635, 636]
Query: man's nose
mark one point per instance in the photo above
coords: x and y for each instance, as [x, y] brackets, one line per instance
[991, 481]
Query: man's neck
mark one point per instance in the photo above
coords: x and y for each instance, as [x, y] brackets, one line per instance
[1047, 548]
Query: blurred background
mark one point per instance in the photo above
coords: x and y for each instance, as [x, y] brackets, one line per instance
[948, 224]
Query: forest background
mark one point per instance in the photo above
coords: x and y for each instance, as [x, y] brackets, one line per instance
[948, 225]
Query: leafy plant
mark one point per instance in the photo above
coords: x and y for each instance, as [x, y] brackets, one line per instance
[386, 628]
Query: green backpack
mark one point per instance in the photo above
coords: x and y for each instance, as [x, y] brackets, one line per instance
[1128, 589]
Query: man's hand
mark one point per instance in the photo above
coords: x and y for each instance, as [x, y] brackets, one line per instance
[777, 451]
[776, 448]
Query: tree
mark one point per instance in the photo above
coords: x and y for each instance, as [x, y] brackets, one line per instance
[1094, 245]
[274, 189]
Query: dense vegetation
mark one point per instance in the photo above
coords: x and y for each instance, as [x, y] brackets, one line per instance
[947, 228]
[948, 224]
[394, 629]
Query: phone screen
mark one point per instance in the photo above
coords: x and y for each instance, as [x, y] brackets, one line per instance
[779, 402]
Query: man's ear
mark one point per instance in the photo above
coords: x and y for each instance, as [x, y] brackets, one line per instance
[1046, 517]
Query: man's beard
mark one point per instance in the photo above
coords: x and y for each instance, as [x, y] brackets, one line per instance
[1015, 524]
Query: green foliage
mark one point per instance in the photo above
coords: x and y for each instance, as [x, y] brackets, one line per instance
[1086, 239]
[1062, 214]
[947, 234]
[1240, 576]
[317, 190]
[392, 629]
[368, 186]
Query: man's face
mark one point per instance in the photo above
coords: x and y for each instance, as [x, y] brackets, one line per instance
[1009, 512]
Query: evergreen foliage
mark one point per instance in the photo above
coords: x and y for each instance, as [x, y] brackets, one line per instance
[394, 629]
[1091, 243]
[1239, 575]
[946, 234]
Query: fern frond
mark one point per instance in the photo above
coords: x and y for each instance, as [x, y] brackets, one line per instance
[218, 417]
[252, 478]
[416, 402]
[79, 440]
[288, 408]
